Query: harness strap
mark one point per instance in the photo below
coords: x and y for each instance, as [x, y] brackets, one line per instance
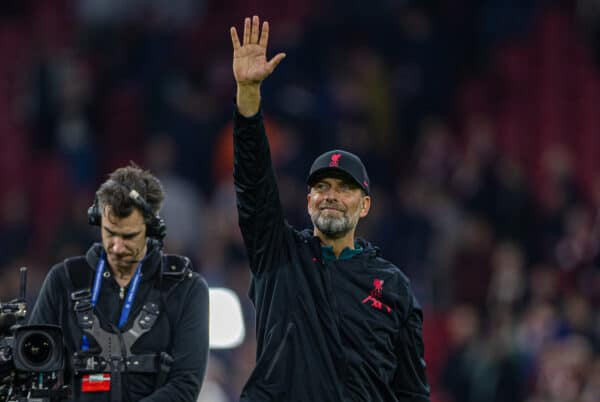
[109, 358]
[142, 363]
[116, 367]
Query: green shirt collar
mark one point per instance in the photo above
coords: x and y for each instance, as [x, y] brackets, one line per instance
[347, 253]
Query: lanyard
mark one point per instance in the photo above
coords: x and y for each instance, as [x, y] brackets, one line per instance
[135, 281]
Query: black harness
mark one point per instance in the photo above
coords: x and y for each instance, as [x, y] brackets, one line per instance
[113, 354]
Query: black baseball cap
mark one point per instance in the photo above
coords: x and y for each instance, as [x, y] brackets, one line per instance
[342, 161]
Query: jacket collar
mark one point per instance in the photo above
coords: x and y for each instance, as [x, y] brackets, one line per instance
[368, 250]
[151, 264]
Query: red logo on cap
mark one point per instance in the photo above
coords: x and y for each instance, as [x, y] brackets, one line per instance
[335, 160]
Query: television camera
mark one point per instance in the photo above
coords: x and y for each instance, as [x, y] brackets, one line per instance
[31, 356]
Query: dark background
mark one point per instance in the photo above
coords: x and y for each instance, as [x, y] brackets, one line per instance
[478, 121]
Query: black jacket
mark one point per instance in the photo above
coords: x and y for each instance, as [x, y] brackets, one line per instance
[182, 332]
[327, 331]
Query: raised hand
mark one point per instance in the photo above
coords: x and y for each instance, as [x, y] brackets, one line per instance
[250, 65]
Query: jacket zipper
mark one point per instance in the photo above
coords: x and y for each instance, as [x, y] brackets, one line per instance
[338, 322]
[279, 350]
[332, 297]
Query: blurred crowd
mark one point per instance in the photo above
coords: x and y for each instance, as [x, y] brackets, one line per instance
[477, 120]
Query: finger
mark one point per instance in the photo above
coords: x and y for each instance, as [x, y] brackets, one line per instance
[264, 36]
[246, 31]
[274, 62]
[234, 38]
[255, 30]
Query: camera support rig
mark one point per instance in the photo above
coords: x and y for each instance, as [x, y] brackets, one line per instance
[16, 310]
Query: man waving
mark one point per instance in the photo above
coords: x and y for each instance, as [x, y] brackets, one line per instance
[335, 321]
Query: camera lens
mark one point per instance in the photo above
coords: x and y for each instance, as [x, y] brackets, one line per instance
[37, 348]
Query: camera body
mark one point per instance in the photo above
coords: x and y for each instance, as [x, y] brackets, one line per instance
[36, 348]
[31, 362]
[32, 357]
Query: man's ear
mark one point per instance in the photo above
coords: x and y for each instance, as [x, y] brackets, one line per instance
[365, 206]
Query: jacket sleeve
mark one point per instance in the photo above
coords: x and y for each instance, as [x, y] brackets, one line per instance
[260, 213]
[190, 348]
[410, 382]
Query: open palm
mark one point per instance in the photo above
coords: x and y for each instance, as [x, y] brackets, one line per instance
[250, 65]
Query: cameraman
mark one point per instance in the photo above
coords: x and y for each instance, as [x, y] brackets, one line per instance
[135, 320]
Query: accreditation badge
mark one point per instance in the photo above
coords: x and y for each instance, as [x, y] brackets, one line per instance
[95, 382]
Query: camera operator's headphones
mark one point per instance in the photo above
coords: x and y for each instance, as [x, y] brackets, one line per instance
[156, 227]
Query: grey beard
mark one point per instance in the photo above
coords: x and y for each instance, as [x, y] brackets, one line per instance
[331, 227]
